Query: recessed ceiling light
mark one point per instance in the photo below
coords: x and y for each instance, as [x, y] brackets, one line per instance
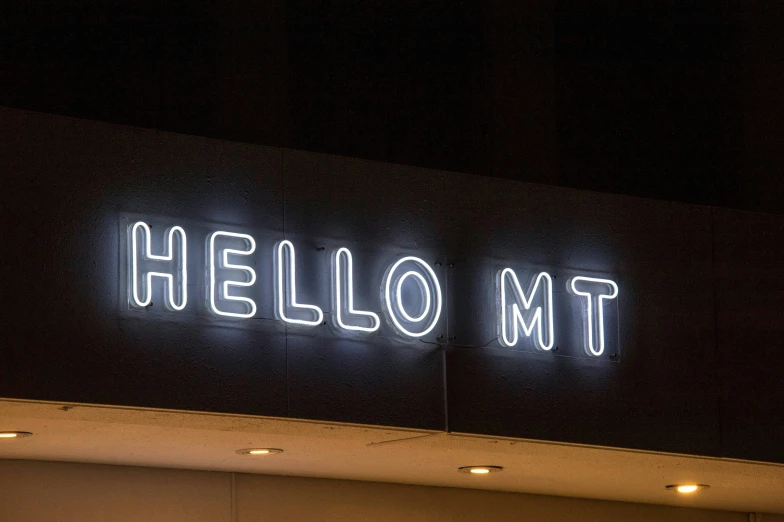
[479, 470]
[259, 451]
[687, 488]
[14, 434]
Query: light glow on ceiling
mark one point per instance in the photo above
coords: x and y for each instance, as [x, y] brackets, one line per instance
[259, 451]
[480, 470]
[686, 489]
[14, 434]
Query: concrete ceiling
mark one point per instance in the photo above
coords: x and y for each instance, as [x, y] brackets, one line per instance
[204, 441]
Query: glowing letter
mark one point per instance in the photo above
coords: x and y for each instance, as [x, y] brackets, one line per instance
[511, 325]
[598, 317]
[427, 285]
[286, 295]
[146, 254]
[346, 271]
[224, 262]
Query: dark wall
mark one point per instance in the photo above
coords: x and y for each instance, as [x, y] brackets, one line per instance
[700, 303]
[663, 99]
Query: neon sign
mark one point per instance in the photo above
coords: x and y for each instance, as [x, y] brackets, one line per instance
[531, 309]
[594, 321]
[517, 323]
[180, 289]
[286, 288]
[394, 304]
[344, 271]
[229, 283]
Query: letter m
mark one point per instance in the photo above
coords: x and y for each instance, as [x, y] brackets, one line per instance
[517, 312]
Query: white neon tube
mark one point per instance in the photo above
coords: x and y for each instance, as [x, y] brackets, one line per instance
[290, 284]
[398, 293]
[167, 256]
[599, 312]
[228, 284]
[517, 316]
[399, 306]
[349, 288]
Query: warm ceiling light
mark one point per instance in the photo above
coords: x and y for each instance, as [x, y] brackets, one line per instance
[479, 470]
[687, 488]
[259, 451]
[14, 434]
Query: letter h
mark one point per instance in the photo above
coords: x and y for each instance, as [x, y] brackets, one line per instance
[144, 266]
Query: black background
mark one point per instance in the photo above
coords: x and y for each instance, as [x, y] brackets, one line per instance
[664, 99]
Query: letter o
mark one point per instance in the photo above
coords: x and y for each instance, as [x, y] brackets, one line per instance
[396, 309]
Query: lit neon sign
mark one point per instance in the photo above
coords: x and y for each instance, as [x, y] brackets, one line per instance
[410, 300]
[344, 271]
[594, 321]
[395, 306]
[286, 288]
[175, 292]
[511, 320]
[224, 290]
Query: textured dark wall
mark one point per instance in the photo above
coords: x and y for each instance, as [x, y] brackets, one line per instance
[700, 307]
[673, 100]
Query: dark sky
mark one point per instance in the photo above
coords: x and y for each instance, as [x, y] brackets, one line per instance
[674, 100]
